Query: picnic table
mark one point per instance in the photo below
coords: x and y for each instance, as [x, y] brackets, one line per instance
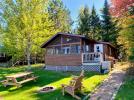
[23, 78]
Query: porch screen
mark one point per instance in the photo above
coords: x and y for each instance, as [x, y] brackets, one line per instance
[54, 50]
[50, 51]
[75, 49]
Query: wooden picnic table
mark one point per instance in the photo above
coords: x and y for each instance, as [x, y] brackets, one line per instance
[23, 76]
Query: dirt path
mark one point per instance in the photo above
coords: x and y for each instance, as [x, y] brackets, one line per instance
[108, 89]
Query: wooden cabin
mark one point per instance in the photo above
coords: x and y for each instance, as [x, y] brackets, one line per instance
[69, 52]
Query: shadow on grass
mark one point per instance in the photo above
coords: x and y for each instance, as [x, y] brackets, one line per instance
[29, 90]
[55, 95]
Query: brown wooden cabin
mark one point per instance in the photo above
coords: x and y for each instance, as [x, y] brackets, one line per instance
[74, 52]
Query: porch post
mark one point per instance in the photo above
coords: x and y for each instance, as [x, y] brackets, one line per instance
[81, 46]
[61, 44]
[81, 50]
[101, 56]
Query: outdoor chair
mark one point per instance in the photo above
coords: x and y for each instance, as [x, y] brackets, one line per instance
[74, 86]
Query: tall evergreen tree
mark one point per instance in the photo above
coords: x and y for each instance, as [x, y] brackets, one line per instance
[95, 25]
[60, 15]
[83, 21]
[109, 29]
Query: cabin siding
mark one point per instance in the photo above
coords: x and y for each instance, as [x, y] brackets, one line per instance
[69, 39]
[56, 41]
[65, 52]
[63, 60]
[90, 44]
[107, 55]
[64, 40]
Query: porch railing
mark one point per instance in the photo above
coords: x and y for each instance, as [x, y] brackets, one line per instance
[92, 57]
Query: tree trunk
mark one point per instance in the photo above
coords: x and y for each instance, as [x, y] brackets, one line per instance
[28, 52]
[35, 58]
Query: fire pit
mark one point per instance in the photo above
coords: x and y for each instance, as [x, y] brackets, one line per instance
[46, 89]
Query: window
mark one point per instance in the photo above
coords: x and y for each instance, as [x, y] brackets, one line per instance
[78, 49]
[68, 39]
[75, 49]
[66, 50]
[98, 49]
[54, 50]
[87, 48]
[57, 50]
[50, 51]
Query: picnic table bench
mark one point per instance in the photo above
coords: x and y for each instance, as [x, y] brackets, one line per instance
[24, 77]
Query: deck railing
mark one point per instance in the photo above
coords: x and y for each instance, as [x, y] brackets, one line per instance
[92, 57]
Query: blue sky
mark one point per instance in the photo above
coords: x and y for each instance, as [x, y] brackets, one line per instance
[74, 6]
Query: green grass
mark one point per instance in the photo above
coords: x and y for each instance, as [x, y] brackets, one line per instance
[126, 91]
[29, 90]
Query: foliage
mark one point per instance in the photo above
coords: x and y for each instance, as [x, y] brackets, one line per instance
[89, 24]
[60, 15]
[131, 56]
[120, 7]
[127, 86]
[109, 29]
[95, 25]
[126, 35]
[83, 21]
[29, 90]
[124, 11]
[26, 25]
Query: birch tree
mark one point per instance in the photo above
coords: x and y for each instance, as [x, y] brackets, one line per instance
[26, 26]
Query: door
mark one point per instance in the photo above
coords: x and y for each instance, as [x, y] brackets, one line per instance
[66, 50]
[98, 48]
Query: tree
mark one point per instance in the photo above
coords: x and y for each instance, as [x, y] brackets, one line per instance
[126, 35]
[124, 11]
[109, 29]
[95, 25]
[26, 26]
[60, 15]
[83, 21]
[120, 7]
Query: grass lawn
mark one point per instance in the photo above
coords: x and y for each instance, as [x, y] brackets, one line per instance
[126, 92]
[29, 90]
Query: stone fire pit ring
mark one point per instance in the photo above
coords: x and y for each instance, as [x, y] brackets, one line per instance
[46, 89]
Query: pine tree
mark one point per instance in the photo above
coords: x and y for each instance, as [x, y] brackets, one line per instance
[95, 25]
[60, 15]
[109, 29]
[83, 21]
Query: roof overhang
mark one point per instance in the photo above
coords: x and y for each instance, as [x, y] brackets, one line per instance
[73, 35]
[56, 35]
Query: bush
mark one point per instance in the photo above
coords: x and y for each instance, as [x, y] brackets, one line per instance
[131, 58]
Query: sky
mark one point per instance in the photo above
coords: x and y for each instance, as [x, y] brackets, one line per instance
[74, 6]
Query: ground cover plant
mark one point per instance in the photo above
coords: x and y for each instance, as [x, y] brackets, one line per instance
[29, 90]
